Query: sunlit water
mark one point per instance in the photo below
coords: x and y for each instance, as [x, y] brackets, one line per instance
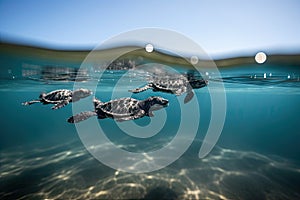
[256, 157]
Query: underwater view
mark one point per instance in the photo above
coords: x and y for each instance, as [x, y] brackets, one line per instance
[161, 100]
[44, 156]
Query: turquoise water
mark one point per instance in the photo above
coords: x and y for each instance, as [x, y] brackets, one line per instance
[256, 157]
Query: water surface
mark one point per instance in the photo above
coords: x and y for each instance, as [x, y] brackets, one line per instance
[256, 157]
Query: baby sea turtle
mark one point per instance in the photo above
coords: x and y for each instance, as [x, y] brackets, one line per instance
[177, 85]
[60, 97]
[122, 109]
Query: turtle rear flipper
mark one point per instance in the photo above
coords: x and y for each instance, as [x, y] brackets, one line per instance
[138, 90]
[30, 102]
[61, 104]
[97, 102]
[150, 114]
[42, 95]
[189, 96]
[81, 116]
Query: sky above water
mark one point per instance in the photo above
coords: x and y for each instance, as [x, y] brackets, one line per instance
[220, 27]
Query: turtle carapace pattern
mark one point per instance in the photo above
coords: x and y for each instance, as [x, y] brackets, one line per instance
[60, 98]
[122, 109]
[177, 85]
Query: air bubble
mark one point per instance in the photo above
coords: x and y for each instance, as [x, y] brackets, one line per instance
[149, 48]
[194, 60]
[260, 57]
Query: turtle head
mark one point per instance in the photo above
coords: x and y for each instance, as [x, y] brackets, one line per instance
[81, 93]
[195, 84]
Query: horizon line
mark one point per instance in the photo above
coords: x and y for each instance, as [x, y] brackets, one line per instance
[55, 46]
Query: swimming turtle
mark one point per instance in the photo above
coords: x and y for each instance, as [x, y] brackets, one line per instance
[60, 97]
[122, 109]
[176, 84]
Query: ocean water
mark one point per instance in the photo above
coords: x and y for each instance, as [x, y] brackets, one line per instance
[256, 157]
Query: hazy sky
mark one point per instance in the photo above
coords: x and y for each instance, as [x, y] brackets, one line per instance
[219, 26]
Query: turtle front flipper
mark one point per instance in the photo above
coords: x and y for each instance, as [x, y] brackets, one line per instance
[137, 115]
[142, 89]
[30, 102]
[189, 96]
[124, 119]
[81, 116]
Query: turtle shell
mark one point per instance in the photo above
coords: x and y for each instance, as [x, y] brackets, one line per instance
[121, 107]
[57, 96]
[176, 85]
